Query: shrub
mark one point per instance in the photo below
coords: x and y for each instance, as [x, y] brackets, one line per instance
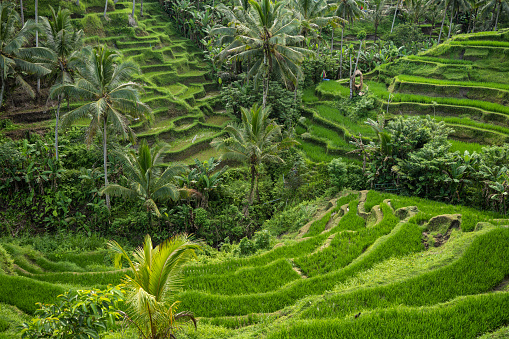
[92, 25]
[80, 314]
[337, 173]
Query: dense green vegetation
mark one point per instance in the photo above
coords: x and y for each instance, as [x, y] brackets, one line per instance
[342, 169]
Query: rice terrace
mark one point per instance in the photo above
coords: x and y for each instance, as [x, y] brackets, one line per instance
[254, 169]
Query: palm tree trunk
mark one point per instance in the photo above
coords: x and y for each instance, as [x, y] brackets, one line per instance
[498, 13]
[442, 26]
[394, 19]
[341, 55]
[105, 8]
[77, 3]
[2, 92]
[37, 43]
[105, 158]
[134, 3]
[332, 41]
[450, 23]
[473, 21]
[251, 193]
[265, 92]
[22, 14]
[265, 80]
[141, 9]
[56, 126]
[351, 88]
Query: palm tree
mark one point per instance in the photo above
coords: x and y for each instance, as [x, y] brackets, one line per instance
[108, 96]
[457, 6]
[65, 43]
[266, 35]
[497, 6]
[257, 140]
[145, 177]
[313, 16]
[204, 178]
[156, 274]
[348, 10]
[14, 58]
[377, 14]
[446, 6]
[395, 12]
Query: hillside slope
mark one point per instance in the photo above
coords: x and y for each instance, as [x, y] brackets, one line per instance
[177, 87]
[462, 82]
[370, 265]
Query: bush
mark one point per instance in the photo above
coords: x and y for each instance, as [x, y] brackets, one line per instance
[92, 25]
[80, 314]
[337, 173]
[405, 33]
[281, 100]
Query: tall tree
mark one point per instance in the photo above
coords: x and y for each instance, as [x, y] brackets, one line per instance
[108, 97]
[377, 13]
[265, 34]
[156, 276]
[348, 10]
[37, 40]
[256, 140]
[14, 58]
[456, 7]
[446, 6]
[65, 42]
[395, 13]
[313, 16]
[497, 6]
[145, 177]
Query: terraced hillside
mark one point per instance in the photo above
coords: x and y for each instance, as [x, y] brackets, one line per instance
[368, 265]
[462, 82]
[188, 114]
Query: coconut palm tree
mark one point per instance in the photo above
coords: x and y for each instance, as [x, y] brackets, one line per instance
[145, 177]
[396, 12]
[457, 6]
[313, 16]
[377, 13]
[497, 6]
[65, 42]
[156, 275]
[109, 97]
[14, 58]
[348, 10]
[267, 35]
[257, 140]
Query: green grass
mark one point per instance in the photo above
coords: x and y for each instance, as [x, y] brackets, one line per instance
[464, 317]
[354, 127]
[472, 123]
[331, 137]
[319, 225]
[460, 146]
[466, 276]
[440, 60]
[315, 152]
[489, 43]
[411, 78]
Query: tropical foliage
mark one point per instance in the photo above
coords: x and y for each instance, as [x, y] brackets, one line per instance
[151, 289]
[257, 140]
[110, 98]
[145, 177]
